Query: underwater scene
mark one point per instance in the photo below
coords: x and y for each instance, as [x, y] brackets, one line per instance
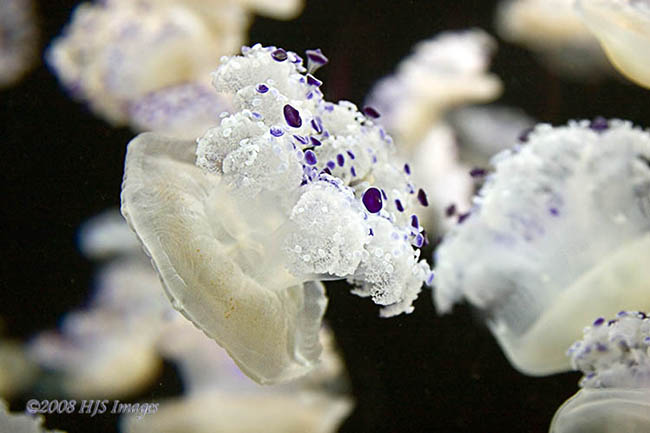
[310, 216]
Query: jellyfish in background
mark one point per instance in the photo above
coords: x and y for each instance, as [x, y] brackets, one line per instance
[18, 40]
[147, 63]
[445, 72]
[559, 233]
[21, 423]
[287, 191]
[623, 29]
[553, 30]
[615, 396]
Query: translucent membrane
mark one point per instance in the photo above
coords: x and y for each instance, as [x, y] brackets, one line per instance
[623, 29]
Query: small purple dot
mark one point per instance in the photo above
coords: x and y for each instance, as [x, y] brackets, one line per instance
[462, 217]
[331, 165]
[262, 88]
[276, 132]
[372, 200]
[599, 124]
[422, 198]
[371, 112]
[279, 55]
[554, 211]
[450, 210]
[419, 240]
[310, 157]
[340, 160]
[292, 116]
[407, 169]
[477, 172]
[398, 205]
[353, 172]
[599, 321]
[313, 81]
[350, 154]
[414, 221]
[315, 141]
[371, 233]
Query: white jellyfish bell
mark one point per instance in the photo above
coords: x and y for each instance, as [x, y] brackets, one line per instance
[623, 29]
[289, 190]
[615, 396]
[559, 233]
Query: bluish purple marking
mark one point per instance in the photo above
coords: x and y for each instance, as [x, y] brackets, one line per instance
[398, 205]
[554, 211]
[407, 169]
[350, 154]
[353, 172]
[331, 165]
[340, 160]
[430, 279]
[599, 124]
[301, 139]
[292, 116]
[419, 241]
[262, 88]
[477, 172]
[315, 141]
[599, 321]
[383, 194]
[414, 221]
[372, 200]
[317, 124]
[525, 134]
[310, 157]
[315, 59]
[462, 217]
[313, 81]
[279, 55]
[326, 170]
[276, 132]
[450, 210]
[371, 233]
[371, 112]
[422, 198]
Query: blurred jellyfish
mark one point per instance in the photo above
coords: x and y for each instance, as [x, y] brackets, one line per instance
[108, 350]
[116, 52]
[287, 191]
[21, 423]
[558, 234]
[219, 397]
[106, 235]
[18, 40]
[448, 70]
[615, 396]
[553, 30]
[623, 29]
[443, 73]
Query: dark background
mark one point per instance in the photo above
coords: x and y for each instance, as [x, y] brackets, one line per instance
[416, 373]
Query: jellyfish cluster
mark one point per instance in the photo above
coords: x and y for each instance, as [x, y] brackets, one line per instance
[248, 193]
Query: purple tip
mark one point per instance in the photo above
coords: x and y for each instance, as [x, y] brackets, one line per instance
[310, 157]
[450, 210]
[340, 160]
[262, 88]
[419, 241]
[279, 55]
[350, 154]
[599, 124]
[554, 211]
[372, 199]
[599, 321]
[462, 217]
[317, 124]
[414, 221]
[301, 139]
[331, 165]
[407, 169]
[422, 198]
[371, 112]
[353, 172]
[315, 59]
[525, 134]
[398, 205]
[292, 116]
[313, 81]
[314, 141]
[276, 132]
[477, 172]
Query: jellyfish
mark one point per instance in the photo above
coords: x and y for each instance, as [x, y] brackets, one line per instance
[553, 30]
[559, 233]
[623, 29]
[18, 36]
[244, 223]
[448, 70]
[615, 396]
[21, 423]
[116, 52]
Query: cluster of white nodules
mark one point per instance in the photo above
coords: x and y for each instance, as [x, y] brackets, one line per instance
[558, 204]
[614, 353]
[348, 209]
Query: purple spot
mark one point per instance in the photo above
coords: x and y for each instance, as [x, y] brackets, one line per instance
[262, 88]
[340, 160]
[383, 194]
[422, 198]
[372, 199]
[310, 157]
[350, 154]
[414, 221]
[353, 171]
[601, 347]
[621, 313]
[611, 322]
[407, 169]
[276, 132]
[477, 172]
[554, 211]
[313, 81]
[331, 165]
[599, 321]
[599, 124]
[398, 205]
[315, 59]
[371, 112]
[301, 139]
[525, 134]
[329, 107]
[371, 233]
[419, 241]
[450, 210]
[430, 279]
[326, 170]
[315, 141]
[317, 124]
[410, 188]
[279, 55]
[462, 217]
[292, 116]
